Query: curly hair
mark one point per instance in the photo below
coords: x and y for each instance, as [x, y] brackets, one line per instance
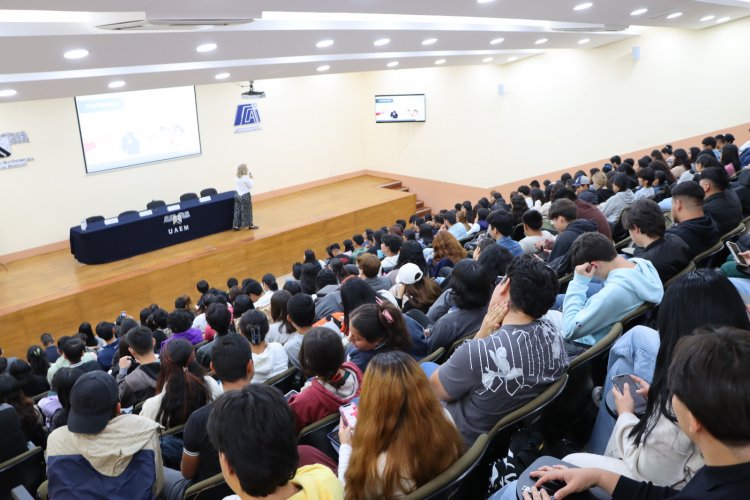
[446, 245]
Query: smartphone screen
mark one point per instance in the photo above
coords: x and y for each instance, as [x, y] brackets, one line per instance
[620, 380]
[735, 251]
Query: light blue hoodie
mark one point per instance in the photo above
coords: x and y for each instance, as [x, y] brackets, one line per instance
[588, 320]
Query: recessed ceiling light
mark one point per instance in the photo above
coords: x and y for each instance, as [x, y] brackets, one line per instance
[429, 41]
[325, 67]
[583, 6]
[638, 12]
[512, 58]
[440, 61]
[707, 18]
[674, 15]
[496, 41]
[723, 19]
[541, 41]
[222, 76]
[117, 84]
[382, 41]
[486, 59]
[392, 64]
[76, 54]
[8, 92]
[324, 43]
[206, 47]
[584, 41]
[485, 1]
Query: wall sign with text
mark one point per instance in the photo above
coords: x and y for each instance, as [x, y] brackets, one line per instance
[7, 157]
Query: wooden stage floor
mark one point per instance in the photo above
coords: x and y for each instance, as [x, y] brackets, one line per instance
[55, 293]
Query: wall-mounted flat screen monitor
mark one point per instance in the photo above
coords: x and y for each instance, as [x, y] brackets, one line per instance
[400, 108]
[134, 128]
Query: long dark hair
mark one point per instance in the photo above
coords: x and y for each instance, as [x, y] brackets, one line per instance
[411, 252]
[701, 298]
[38, 360]
[278, 310]
[12, 394]
[62, 383]
[181, 378]
[85, 328]
[382, 321]
[354, 293]
[681, 158]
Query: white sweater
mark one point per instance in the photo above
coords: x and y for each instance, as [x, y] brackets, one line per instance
[151, 406]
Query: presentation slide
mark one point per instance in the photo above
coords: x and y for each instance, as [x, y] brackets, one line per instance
[132, 128]
[400, 108]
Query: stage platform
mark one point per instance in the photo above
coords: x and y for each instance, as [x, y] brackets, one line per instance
[55, 293]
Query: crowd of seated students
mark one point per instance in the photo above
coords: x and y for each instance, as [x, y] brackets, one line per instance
[356, 324]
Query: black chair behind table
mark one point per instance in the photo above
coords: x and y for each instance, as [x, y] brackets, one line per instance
[128, 213]
[456, 480]
[27, 469]
[434, 356]
[316, 435]
[285, 381]
[94, 218]
[209, 489]
[208, 192]
[188, 196]
[586, 371]
[155, 204]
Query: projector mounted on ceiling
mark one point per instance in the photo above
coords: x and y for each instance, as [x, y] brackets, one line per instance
[252, 93]
[161, 24]
[591, 28]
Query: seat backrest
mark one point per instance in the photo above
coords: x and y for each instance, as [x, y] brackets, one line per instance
[632, 319]
[449, 482]
[434, 356]
[597, 350]
[188, 196]
[177, 429]
[703, 259]
[208, 191]
[689, 269]
[199, 345]
[455, 345]
[94, 218]
[209, 489]
[734, 232]
[316, 435]
[284, 381]
[128, 212]
[27, 469]
[155, 204]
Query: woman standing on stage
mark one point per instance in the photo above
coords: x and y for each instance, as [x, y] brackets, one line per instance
[243, 204]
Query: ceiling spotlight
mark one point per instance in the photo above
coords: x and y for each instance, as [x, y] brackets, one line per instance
[325, 67]
[206, 47]
[382, 41]
[392, 64]
[583, 6]
[541, 41]
[496, 41]
[723, 19]
[429, 41]
[707, 18]
[487, 59]
[485, 1]
[638, 12]
[674, 15]
[512, 59]
[584, 41]
[117, 84]
[440, 61]
[8, 92]
[76, 54]
[324, 43]
[221, 76]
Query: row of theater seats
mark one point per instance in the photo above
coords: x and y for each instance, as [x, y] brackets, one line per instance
[156, 204]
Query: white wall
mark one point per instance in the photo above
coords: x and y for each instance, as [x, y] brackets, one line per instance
[564, 108]
[310, 130]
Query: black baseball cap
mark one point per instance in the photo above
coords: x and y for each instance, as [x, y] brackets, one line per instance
[92, 399]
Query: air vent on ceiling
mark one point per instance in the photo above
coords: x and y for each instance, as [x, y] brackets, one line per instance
[594, 28]
[171, 24]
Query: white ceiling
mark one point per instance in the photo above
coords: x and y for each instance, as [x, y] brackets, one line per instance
[281, 41]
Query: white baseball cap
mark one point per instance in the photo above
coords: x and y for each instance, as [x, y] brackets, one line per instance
[409, 274]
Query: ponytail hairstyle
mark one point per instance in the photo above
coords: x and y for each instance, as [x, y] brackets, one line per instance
[38, 360]
[322, 355]
[254, 326]
[270, 281]
[381, 322]
[181, 379]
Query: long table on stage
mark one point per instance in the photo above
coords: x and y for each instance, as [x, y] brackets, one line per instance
[150, 230]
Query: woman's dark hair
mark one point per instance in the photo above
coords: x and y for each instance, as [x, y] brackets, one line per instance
[518, 208]
[62, 383]
[270, 281]
[657, 156]
[348, 246]
[181, 379]
[681, 158]
[410, 235]
[322, 354]
[293, 287]
[695, 152]
[296, 270]
[679, 315]
[37, 360]
[383, 321]
[426, 233]
[86, 329]
[12, 394]
[354, 293]
[660, 166]
[21, 371]
[411, 252]
[180, 320]
[278, 310]
[731, 154]
[338, 269]
[254, 326]
[242, 304]
[495, 259]
[310, 256]
[471, 284]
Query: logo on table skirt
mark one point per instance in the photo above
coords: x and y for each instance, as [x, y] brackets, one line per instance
[7, 140]
[177, 222]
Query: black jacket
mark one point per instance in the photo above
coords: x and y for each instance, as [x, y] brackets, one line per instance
[669, 255]
[558, 257]
[700, 234]
[725, 209]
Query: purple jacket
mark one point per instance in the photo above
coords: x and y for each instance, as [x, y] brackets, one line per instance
[192, 335]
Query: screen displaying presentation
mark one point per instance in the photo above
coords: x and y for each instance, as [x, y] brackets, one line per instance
[400, 108]
[132, 128]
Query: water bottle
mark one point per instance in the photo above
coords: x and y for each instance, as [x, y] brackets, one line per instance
[84, 225]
